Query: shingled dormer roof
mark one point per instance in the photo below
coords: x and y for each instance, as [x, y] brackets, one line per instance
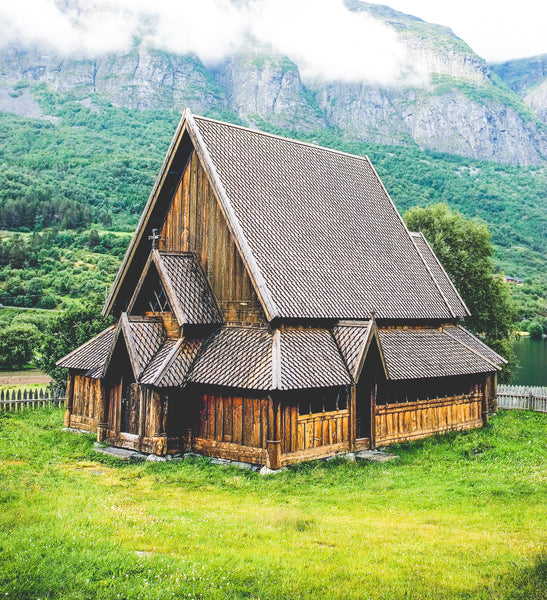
[317, 231]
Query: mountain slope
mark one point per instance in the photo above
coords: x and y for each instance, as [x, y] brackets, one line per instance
[445, 98]
[527, 77]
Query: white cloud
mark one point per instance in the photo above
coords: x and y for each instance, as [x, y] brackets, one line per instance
[323, 37]
[328, 41]
[497, 31]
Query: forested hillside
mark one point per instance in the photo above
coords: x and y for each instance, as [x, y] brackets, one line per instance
[65, 185]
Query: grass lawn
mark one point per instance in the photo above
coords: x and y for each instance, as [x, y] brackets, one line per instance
[462, 516]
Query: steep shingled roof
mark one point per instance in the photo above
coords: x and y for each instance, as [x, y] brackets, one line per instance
[320, 236]
[326, 238]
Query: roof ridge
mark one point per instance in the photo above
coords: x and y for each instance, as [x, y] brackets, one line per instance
[363, 157]
[168, 360]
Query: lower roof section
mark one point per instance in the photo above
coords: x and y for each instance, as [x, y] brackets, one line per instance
[431, 352]
[289, 358]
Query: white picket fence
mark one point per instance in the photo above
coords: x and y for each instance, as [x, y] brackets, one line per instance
[15, 400]
[523, 397]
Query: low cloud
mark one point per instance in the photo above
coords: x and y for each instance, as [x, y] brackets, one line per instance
[322, 37]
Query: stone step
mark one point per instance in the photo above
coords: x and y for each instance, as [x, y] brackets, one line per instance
[375, 456]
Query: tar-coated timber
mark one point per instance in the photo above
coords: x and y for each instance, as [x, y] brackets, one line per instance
[195, 223]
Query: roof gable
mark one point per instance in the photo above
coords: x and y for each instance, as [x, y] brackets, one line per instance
[317, 231]
[185, 285]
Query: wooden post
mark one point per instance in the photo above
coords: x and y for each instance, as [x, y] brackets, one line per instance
[273, 445]
[485, 399]
[69, 399]
[494, 401]
[102, 413]
[373, 393]
[273, 457]
[352, 418]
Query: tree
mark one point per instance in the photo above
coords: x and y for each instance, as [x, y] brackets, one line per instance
[67, 331]
[465, 250]
[18, 343]
[535, 330]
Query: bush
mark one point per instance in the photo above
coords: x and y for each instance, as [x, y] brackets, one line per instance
[17, 344]
[535, 330]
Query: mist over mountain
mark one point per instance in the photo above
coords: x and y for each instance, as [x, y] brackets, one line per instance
[380, 76]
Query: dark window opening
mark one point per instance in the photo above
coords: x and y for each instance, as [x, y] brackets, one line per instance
[322, 400]
[396, 392]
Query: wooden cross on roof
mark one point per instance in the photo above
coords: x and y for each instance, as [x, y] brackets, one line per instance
[155, 237]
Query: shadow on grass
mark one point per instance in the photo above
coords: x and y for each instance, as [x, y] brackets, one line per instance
[526, 583]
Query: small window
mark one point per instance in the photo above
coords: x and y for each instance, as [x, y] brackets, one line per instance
[323, 400]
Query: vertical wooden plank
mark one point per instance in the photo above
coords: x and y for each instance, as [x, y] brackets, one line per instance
[219, 417]
[310, 434]
[263, 422]
[271, 425]
[210, 401]
[256, 423]
[247, 421]
[353, 416]
[203, 417]
[192, 204]
[294, 428]
[318, 431]
[301, 436]
[237, 420]
[185, 209]
[227, 420]
[339, 430]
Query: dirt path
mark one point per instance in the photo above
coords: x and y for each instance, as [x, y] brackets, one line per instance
[23, 377]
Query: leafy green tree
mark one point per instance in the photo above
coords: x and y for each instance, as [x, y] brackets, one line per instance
[69, 330]
[18, 344]
[465, 250]
[536, 330]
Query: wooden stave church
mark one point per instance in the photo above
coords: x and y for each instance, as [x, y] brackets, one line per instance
[272, 308]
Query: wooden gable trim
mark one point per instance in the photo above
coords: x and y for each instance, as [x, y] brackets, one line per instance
[372, 334]
[131, 350]
[146, 214]
[446, 274]
[168, 361]
[249, 261]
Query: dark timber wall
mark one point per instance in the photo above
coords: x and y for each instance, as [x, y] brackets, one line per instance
[195, 223]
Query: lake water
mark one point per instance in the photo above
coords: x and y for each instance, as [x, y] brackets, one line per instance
[532, 355]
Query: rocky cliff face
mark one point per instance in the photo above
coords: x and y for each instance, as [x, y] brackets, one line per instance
[528, 78]
[446, 100]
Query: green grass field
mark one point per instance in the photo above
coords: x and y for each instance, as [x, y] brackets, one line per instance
[462, 516]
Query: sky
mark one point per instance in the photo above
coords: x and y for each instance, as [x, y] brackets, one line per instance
[322, 37]
[497, 30]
